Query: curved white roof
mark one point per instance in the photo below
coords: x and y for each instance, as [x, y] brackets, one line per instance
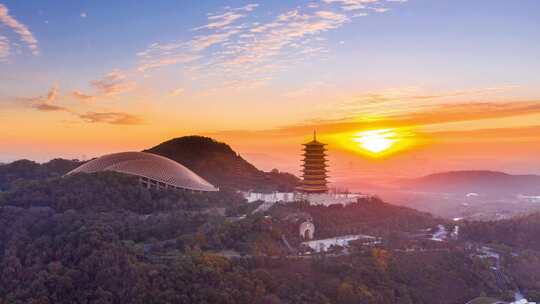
[148, 165]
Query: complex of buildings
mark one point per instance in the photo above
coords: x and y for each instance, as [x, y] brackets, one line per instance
[154, 171]
[314, 184]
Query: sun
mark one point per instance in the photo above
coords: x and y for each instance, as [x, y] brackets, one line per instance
[380, 143]
[376, 141]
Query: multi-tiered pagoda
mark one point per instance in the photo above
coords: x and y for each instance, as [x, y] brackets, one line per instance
[314, 167]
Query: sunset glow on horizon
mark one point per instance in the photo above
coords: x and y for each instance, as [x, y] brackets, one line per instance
[389, 85]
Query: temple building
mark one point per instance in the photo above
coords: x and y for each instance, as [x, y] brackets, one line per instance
[314, 167]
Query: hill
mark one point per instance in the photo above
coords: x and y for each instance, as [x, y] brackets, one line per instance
[26, 170]
[481, 182]
[218, 163]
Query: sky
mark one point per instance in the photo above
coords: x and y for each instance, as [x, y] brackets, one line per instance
[439, 84]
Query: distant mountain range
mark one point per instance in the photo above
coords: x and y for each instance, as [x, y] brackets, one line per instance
[480, 182]
[218, 163]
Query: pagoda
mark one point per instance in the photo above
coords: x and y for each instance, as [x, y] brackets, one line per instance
[314, 167]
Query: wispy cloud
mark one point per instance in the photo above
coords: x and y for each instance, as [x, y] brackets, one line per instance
[408, 99]
[114, 118]
[352, 5]
[22, 30]
[177, 92]
[248, 50]
[45, 103]
[221, 20]
[362, 7]
[439, 114]
[115, 82]
[4, 48]
[82, 97]
[236, 49]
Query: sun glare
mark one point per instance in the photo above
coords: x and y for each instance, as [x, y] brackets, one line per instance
[380, 142]
[376, 141]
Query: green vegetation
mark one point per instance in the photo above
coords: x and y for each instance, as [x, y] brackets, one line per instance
[517, 239]
[100, 238]
[108, 191]
[26, 170]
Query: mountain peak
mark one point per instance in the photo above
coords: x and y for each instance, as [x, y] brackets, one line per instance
[218, 163]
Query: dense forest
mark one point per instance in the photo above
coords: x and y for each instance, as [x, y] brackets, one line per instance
[517, 239]
[26, 170]
[218, 163]
[100, 238]
[520, 232]
[85, 257]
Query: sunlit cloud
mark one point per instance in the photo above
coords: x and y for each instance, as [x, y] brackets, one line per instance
[22, 30]
[177, 92]
[82, 97]
[221, 20]
[438, 114]
[114, 118]
[115, 82]
[47, 103]
[44, 103]
[233, 44]
[408, 99]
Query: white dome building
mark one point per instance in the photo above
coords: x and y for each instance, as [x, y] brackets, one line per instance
[154, 171]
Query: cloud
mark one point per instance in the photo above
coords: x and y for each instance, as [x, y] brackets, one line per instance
[237, 50]
[408, 99]
[221, 20]
[115, 82]
[381, 9]
[176, 92]
[82, 97]
[83, 15]
[114, 118]
[439, 114]
[4, 49]
[351, 5]
[48, 107]
[45, 103]
[246, 52]
[22, 30]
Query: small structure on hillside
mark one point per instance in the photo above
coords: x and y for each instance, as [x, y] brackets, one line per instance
[307, 230]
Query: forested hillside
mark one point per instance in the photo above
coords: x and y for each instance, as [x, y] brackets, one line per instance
[26, 170]
[99, 238]
[218, 163]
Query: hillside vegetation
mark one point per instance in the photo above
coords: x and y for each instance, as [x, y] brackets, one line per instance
[219, 164]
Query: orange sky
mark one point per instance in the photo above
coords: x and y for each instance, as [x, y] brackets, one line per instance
[261, 77]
